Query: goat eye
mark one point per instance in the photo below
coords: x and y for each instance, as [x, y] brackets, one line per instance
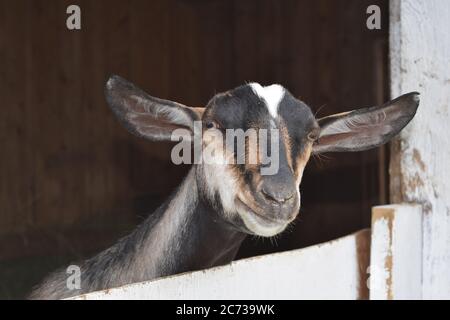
[210, 125]
[313, 135]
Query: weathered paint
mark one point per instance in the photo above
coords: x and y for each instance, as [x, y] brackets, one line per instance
[396, 252]
[380, 258]
[420, 164]
[334, 270]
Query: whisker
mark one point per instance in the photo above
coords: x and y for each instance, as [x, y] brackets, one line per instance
[320, 109]
[321, 158]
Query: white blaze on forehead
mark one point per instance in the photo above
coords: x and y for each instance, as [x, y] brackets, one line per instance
[272, 95]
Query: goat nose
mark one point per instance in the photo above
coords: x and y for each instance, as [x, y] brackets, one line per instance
[277, 194]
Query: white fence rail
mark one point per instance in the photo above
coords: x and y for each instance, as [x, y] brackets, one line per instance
[337, 269]
[333, 270]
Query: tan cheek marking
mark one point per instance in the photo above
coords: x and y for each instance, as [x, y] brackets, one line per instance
[246, 195]
[287, 143]
[232, 170]
[252, 158]
[302, 160]
[243, 191]
[213, 144]
[199, 111]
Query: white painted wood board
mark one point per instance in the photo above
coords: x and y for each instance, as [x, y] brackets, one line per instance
[333, 270]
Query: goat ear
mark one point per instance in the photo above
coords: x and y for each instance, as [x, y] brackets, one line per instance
[147, 116]
[367, 128]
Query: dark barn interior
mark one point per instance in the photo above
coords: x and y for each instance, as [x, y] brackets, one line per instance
[73, 180]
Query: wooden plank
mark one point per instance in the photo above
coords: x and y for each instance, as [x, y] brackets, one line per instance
[16, 199]
[245, 44]
[185, 60]
[45, 127]
[333, 270]
[297, 47]
[420, 60]
[396, 252]
[216, 32]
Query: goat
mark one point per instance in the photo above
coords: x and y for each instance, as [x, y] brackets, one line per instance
[206, 219]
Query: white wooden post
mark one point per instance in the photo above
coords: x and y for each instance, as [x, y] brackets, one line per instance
[396, 252]
[420, 164]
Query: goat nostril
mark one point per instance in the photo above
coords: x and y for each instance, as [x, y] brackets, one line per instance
[286, 199]
[268, 196]
[278, 199]
[289, 197]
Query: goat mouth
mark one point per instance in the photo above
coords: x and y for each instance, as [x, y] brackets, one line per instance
[258, 224]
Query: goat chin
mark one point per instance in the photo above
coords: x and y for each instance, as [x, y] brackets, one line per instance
[259, 225]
